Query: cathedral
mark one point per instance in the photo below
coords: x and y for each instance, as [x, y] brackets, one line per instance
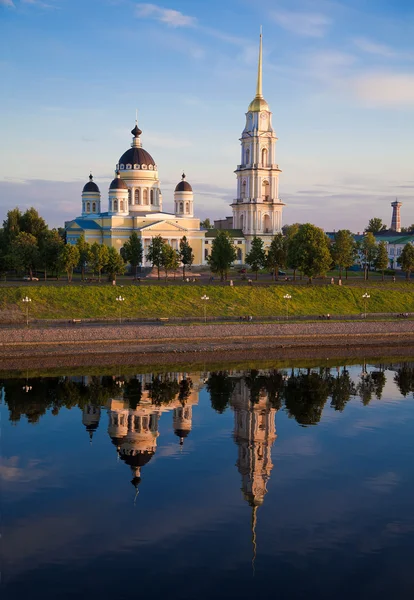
[135, 201]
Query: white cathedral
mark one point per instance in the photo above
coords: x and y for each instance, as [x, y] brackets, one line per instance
[135, 200]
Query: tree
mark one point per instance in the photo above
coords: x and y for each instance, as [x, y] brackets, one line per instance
[186, 254]
[223, 254]
[115, 264]
[375, 225]
[11, 227]
[84, 250]
[154, 255]
[98, 257]
[206, 224]
[343, 251]
[25, 252]
[50, 246]
[368, 248]
[220, 387]
[169, 259]
[69, 258]
[310, 248]
[381, 258]
[277, 254]
[292, 259]
[31, 222]
[256, 258]
[406, 259]
[409, 229]
[132, 251]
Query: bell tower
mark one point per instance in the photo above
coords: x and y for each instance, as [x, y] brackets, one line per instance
[257, 210]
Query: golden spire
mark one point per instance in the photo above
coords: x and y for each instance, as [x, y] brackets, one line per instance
[259, 88]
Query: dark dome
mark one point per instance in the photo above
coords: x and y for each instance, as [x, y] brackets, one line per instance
[91, 186]
[183, 186]
[137, 460]
[181, 433]
[136, 156]
[118, 184]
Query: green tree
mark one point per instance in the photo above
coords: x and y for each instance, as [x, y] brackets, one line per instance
[343, 251]
[98, 257]
[25, 252]
[154, 255]
[368, 249]
[69, 258]
[310, 247]
[31, 222]
[169, 259]
[11, 227]
[220, 387]
[256, 258]
[186, 254]
[115, 264]
[406, 259]
[84, 250]
[277, 254]
[381, 258]
[292, 259]
[206, 224]
[375, 225]
[132, 251]
[50, 246]
[223, 254]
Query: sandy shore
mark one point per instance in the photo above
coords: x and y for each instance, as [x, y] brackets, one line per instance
[161, 344]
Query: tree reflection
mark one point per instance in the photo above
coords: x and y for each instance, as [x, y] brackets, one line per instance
[342, 388]
[306, 395]
[404, 378]
[220, 387]
[163, 389]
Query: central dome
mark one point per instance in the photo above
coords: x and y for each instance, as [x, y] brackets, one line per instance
[136, 156]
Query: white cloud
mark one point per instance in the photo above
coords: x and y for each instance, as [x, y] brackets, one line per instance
[302, 23]
[373, 48]
[385, 89]
[9, 3]
[173, 18]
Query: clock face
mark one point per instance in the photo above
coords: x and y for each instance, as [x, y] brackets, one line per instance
[263, 115]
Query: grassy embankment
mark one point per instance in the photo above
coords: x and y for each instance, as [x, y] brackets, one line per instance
[181, 301]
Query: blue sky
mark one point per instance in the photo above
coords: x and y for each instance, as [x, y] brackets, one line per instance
[339, 78]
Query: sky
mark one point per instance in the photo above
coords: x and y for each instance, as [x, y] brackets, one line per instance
[338, 76]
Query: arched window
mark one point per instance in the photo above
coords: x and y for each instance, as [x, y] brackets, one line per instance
[129, 197]
[265, 191]
[187, 208]
[264, 157]
[93, 206]
[267, 224]
[115, 205]
[88, 207]
[247, 156]
[244, 186]
[145, 196]
[181, 207]
[122, 205]
[137, 196]
[239, 254]
[152, 196]
[241, 222]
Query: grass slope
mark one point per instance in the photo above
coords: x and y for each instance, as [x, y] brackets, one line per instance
[77, 301]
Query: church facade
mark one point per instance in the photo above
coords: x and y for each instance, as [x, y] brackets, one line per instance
[135, 203]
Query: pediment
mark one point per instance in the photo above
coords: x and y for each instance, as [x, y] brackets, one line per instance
[163, 225]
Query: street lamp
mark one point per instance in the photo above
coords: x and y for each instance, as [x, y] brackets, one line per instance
[205, 298]
[365, 297]
[287, 297]
[26, 300]
[120, 299]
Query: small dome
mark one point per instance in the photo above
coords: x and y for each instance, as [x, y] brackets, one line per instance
[136, 132]
[137, 460]
[91, 186]
[118, 183]
[182, 433]
[183, 186]
[258, 104]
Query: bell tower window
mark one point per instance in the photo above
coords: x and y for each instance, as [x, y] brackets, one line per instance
[145, 196]
[93, 207]
[152, 196]
[115, 205]
[122, 206]
[265, 191]
[247, 156]
[243, 191]
[137, 198]
[264, 157]
[88, 207]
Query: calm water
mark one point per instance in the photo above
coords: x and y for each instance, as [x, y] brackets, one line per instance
[287, 483]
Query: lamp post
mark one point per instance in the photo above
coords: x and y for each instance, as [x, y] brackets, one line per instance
[120, 299]
[205, 299]
[26, 300]
[365, 297]
[287, 297]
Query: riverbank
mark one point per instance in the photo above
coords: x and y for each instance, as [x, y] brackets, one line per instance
[144, 344]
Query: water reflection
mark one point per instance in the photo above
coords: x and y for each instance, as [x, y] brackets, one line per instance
[314, 500]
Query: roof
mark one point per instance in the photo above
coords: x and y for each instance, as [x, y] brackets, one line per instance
[118, 184]
[183, 186]
[91, 186]
[234, 233]
[136, 156]
[87, 224]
